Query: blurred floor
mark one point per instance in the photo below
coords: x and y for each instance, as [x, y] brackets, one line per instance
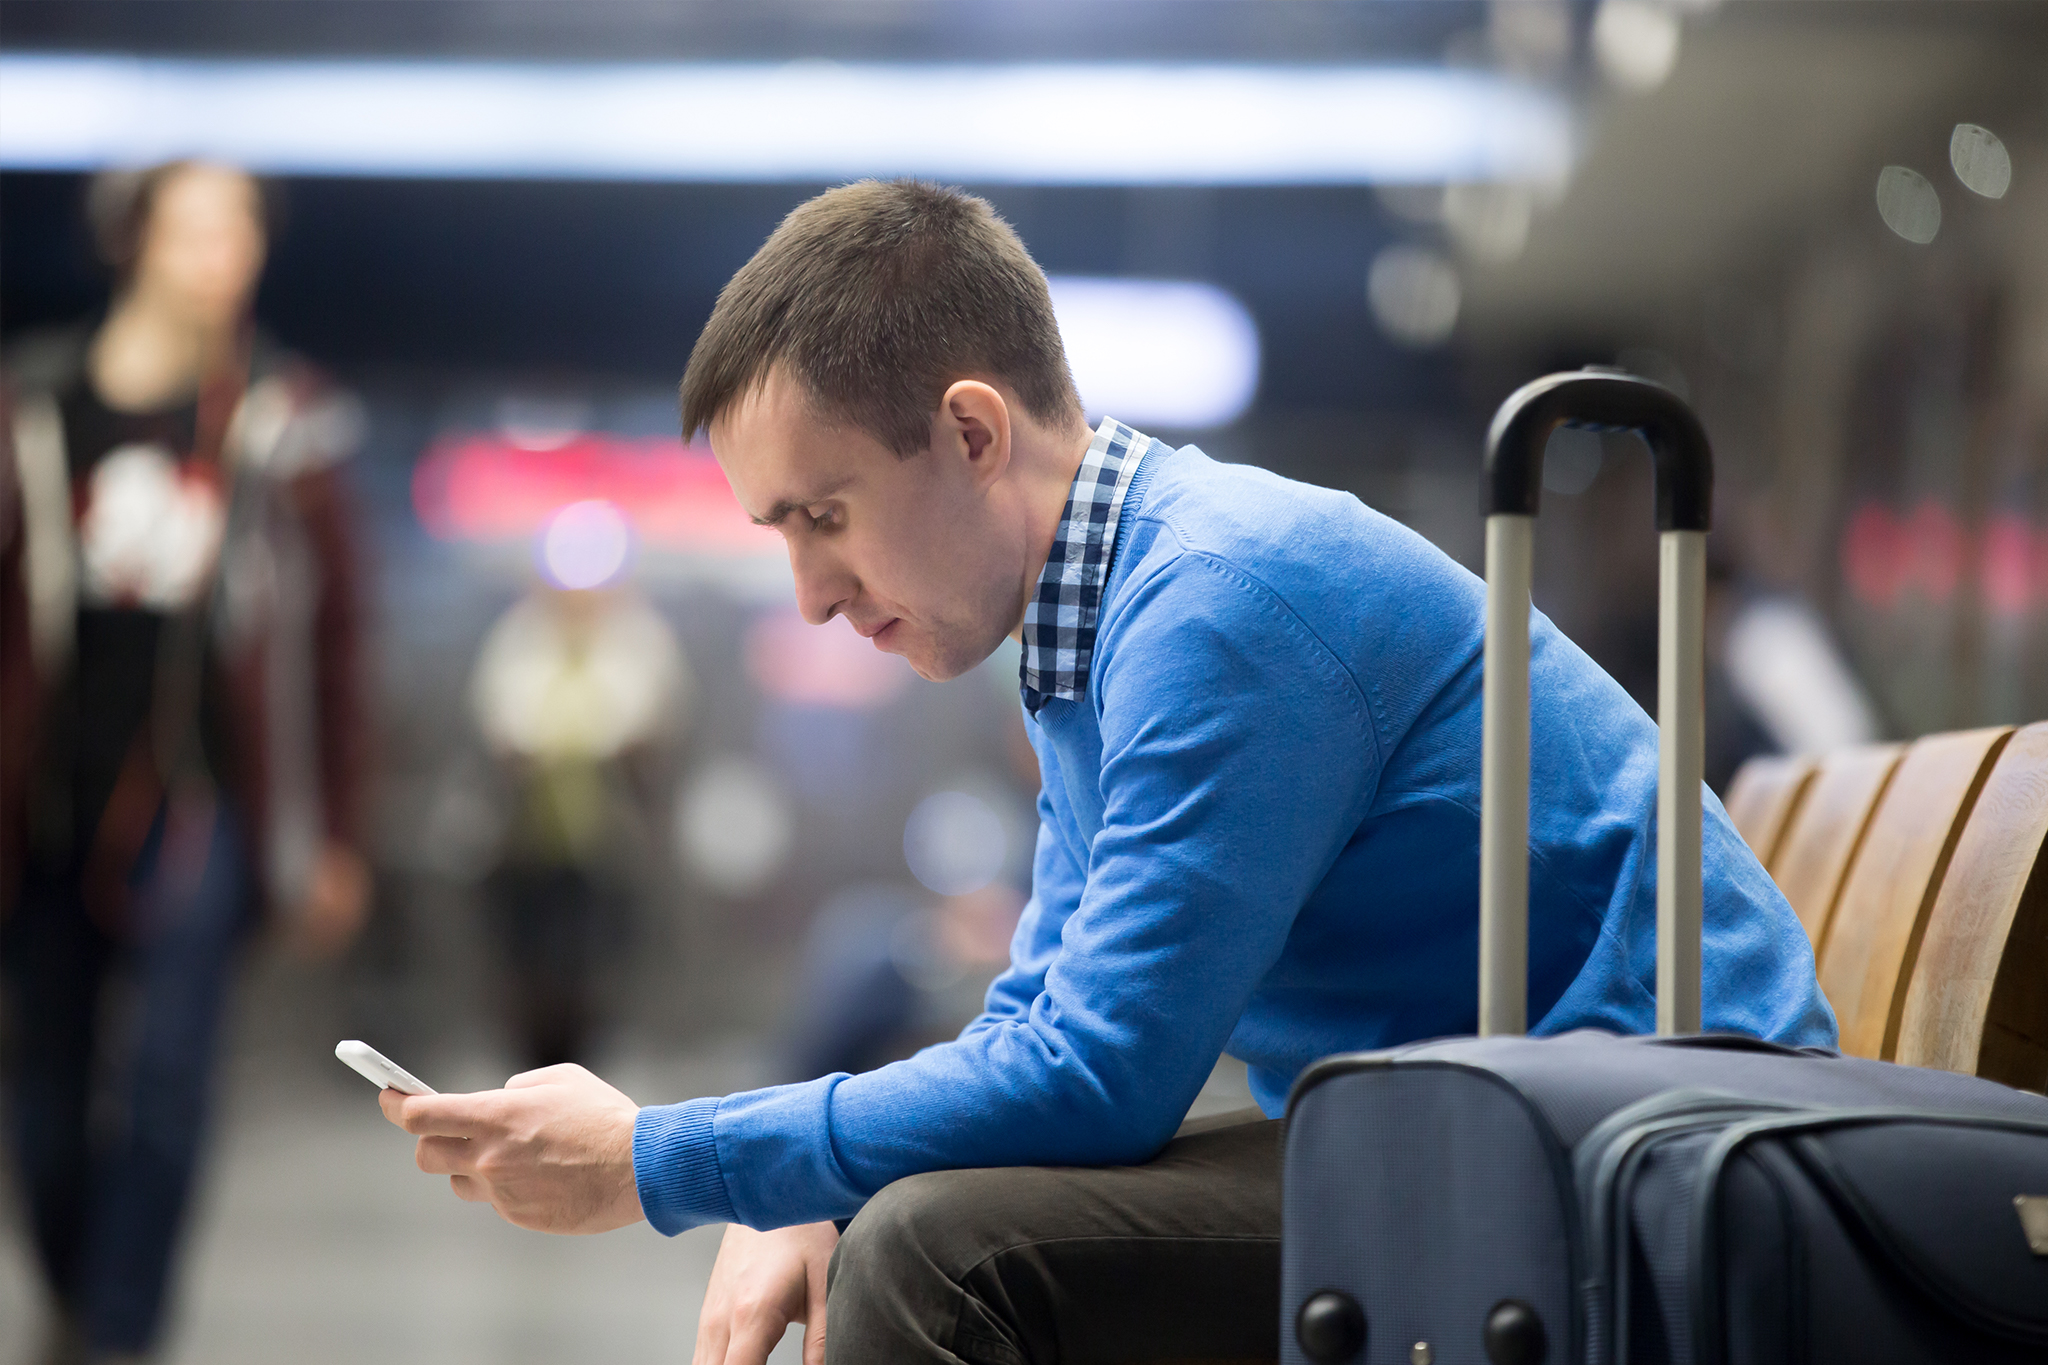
[318, 1243]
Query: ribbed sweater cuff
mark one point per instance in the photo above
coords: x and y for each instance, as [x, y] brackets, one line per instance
[675, 1165]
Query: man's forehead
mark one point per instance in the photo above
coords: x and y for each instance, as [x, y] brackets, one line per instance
[777, 449]
[778, 410]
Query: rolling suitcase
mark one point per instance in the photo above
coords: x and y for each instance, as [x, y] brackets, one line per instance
[1693, 1198]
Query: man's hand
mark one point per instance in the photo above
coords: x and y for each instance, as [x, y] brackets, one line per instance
[763, 1282]
[552, 1151]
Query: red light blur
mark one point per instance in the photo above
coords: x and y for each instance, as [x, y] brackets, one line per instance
[472, 486]
[1927, 553]
[2010, 551]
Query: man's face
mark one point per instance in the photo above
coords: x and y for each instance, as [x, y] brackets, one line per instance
[925, 556]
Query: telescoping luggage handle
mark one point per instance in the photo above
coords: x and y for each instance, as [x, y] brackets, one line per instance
[1601, 400]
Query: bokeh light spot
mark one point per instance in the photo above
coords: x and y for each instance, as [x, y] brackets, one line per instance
[585, 544]
[1635, 42]
[1908, 204]
[733, 826]
[1414, 294]
[1980, 160]
[954, 843]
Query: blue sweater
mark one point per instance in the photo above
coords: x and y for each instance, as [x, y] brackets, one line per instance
[1259, 834]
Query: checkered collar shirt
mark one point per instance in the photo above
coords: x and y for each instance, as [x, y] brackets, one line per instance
[1059, 620]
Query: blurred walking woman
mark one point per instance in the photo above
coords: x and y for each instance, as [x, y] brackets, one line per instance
[180, 710]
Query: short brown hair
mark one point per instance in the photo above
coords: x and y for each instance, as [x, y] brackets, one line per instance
[878, 295]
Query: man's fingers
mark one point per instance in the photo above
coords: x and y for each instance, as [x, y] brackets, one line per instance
[469, 1189]
[711, 1338]
[754, 1335]
[817, 1286]
[546, 1075]
[454, 1116]
[446, 1156]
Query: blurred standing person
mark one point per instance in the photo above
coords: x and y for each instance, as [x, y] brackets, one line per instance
[577, 689]
[183, 725]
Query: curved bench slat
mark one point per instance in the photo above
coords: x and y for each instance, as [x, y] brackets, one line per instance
[1978, 998]
[1765, 796]
[1867, 956]
[1821, 839]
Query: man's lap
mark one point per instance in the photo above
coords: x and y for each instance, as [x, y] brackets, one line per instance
[1176, 1259]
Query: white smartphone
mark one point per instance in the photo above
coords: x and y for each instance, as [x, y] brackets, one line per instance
[379, 1070]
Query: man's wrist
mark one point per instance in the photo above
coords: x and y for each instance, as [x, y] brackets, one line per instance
[626, 1207]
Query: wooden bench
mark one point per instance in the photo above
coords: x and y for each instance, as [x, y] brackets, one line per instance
[1821, 838]
[1765, 798]
[1977, 1000]
[1872, 938]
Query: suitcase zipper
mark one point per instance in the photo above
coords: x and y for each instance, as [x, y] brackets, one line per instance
[1605, 1165]
[1709, 1343]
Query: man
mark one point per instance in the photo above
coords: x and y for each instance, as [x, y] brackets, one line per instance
[179, 716]
[1256, 708]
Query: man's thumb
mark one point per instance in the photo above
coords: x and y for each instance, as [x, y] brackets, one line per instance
[814, 1339]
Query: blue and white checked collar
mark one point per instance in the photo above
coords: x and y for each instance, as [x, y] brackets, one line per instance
[1059, 620]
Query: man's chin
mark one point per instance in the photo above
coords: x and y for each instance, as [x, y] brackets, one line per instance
[933, 670]
[935, 665]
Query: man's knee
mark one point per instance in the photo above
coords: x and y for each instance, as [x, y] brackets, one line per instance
[908, 1227]
[895, 1281]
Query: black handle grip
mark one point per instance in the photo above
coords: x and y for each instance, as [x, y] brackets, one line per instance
[1601, 400]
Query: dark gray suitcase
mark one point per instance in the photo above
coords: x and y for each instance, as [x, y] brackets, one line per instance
[1692, 1198]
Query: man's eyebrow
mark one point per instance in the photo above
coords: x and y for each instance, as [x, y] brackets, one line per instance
[788, 505]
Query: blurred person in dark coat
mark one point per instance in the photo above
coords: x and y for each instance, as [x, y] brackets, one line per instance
[578, 691]
[182, 723]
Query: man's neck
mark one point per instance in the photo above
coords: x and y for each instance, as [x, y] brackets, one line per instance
[1053, 467]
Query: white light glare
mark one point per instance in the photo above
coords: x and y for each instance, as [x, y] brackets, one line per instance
[1172, 353]
[1050, 123]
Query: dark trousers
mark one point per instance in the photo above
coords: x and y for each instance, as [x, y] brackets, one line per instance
[1174, 1260]
[112, 1044]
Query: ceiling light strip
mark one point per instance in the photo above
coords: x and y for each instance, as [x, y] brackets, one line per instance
[1077, 124]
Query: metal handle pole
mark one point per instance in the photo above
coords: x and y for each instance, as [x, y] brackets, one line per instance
[1513, 470]
[1504, 779]
[1681, 765]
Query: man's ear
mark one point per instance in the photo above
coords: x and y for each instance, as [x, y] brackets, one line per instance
[973, 425]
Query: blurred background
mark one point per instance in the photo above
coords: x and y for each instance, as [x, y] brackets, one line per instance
[620, 806]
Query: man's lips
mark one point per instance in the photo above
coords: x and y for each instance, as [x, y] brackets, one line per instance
[875, 631]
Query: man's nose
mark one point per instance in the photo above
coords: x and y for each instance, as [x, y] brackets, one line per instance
[823, 587]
